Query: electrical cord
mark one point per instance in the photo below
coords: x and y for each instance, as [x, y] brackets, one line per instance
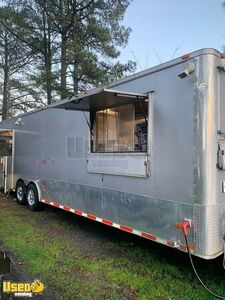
[199, 279]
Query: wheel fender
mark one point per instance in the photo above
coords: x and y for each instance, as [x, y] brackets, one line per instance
[36, 183]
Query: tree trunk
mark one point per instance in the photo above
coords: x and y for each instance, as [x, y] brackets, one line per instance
[75, 78]
[64, 92]
[6, 84]
[48, 72]
[48, 62]
[49, 65]
[75, 65]
[63, 75]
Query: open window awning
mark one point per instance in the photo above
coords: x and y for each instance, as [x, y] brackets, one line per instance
[102, 99]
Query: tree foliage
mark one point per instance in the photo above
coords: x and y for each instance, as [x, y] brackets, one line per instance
[17, 94]
[66, 46]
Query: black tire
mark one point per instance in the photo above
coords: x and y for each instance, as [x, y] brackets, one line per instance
[32, 197]
[21, 193]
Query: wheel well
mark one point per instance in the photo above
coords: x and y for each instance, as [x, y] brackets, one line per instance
[20, 180]
[37, 187]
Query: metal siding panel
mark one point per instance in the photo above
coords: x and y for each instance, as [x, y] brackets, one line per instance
[151, 204]
[171, 162]
[135, 211]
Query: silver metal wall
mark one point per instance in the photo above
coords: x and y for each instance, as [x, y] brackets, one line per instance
[51, 146]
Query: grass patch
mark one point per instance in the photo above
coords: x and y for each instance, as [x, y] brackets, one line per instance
[135, 272]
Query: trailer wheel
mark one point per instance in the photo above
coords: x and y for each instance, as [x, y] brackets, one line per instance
[32, 197]
[20, 193]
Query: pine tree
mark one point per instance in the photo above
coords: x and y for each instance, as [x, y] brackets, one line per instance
[15, 57]
[90, 34]
[75, 44]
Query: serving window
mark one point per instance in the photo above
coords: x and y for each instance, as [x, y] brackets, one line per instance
[121, 128]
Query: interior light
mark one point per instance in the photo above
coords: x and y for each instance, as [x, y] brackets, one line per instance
[129, 96]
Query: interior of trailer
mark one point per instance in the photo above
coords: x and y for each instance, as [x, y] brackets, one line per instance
[118, 120]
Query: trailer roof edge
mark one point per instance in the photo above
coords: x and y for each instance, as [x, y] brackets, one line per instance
[154, 69]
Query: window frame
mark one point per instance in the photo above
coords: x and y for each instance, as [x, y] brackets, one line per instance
[149, 132]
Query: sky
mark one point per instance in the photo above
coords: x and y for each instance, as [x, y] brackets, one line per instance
[163, 29]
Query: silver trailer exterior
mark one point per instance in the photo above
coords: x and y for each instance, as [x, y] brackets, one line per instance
[180, 175]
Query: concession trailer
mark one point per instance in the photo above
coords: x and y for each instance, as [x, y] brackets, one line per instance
[141, 154]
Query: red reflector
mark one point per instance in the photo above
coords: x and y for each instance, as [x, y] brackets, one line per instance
[125, 228]
[66, 208]
[56, 204]
[191, 246]
[78, 212]
[148, 236]
[185, 56]
[107, 222]
[92, 217]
